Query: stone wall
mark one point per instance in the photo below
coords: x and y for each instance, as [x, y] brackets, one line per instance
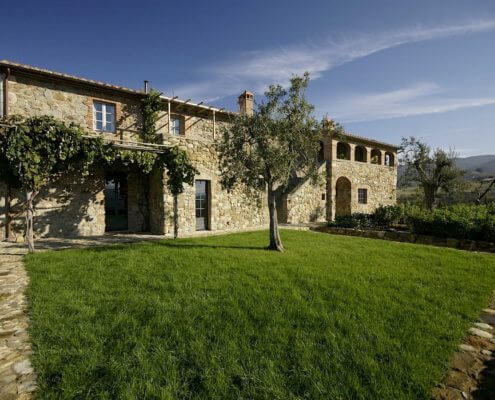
[72, 207]
[307, 203]
[319, 202]
[78, 208]
[228, 211]
[29, 97]
[379, 180]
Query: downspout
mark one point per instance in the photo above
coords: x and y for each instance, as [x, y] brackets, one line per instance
[8, 196]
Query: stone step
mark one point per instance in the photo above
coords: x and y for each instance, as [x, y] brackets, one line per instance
[481, 333]
[483, 326]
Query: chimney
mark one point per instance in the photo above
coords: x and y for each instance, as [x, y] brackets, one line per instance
[246, 103]
[145, 86]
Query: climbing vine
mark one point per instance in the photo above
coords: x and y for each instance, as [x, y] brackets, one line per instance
[150, 107]
[37, 151]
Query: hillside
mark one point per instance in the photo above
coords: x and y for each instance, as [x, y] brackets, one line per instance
[476, 167]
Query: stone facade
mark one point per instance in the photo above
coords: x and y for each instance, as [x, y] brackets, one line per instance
[343, 175]
[76, 206]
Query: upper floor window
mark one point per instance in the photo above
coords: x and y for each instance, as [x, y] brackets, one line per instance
[389, 159]
[103, 117]
[360, 154]
[343, 151]
[176, 125]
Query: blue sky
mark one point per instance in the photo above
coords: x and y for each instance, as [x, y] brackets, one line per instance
[385, 69]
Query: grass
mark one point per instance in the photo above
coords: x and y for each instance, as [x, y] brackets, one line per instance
[333, 317]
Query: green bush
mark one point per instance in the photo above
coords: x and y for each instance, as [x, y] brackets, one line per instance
[386, 216]
[461, 221]
[356, 220]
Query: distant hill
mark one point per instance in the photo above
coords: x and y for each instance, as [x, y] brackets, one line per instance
[476, 167]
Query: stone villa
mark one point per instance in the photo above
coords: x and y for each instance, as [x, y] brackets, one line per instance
[359, 173]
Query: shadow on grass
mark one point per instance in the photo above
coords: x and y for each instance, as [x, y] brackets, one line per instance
[209, 246]
[171, 244]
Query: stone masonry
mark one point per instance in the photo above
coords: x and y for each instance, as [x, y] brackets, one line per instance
[17, 377]
[76, 206]
[342, 175]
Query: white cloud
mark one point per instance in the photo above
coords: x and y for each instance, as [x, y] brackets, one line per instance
[255, 70]
[422, 98]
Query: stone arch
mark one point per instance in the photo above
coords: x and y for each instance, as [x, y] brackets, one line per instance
[343, 196]
[360, 154]
[389, 159]
[343, 151]
[376, 156]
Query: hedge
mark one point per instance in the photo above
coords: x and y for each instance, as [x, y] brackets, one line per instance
[461, 221]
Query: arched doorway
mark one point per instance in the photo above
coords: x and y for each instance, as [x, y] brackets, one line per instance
[342, 196]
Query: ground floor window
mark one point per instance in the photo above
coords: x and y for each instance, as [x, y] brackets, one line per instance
[202, 205]
[362, 196]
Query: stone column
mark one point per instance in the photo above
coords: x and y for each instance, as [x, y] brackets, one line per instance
[368, 154]
[353, 151]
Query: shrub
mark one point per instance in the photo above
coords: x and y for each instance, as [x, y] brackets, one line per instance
[460, 221]
[356, 220]
[386, 216]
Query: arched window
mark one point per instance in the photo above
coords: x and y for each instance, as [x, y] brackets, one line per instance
[360, 154]
[389, 159]
[376, 156]
[343, 151]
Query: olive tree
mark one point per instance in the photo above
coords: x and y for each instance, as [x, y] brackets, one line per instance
[433, 169]
[274, 148]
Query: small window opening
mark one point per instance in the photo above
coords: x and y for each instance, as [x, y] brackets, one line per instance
[362, 196]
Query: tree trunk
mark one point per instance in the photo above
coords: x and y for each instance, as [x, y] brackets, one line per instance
[485, 192]
[29, 220]
[176, 216]
[8, 215]
[275, 242]
[429, 197]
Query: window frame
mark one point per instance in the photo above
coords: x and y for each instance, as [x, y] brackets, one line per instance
[104, 112]
[362, 196]
[181, 119]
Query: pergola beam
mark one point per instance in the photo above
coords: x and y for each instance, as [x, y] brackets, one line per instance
[130, 145]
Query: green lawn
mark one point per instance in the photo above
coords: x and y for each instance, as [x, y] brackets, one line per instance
[333, 317]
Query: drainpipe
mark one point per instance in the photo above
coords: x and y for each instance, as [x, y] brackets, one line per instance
[8, 196]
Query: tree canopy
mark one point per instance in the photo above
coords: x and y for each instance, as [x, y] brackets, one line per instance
[273, 149]
[434, 169]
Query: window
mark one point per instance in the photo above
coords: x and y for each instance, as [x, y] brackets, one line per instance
[103, 117]
[323, 196]
[343, 151]
[176, 125]
[360, 154]
[362, 196]
[389, 159]
[376, 156]
[202, 204]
